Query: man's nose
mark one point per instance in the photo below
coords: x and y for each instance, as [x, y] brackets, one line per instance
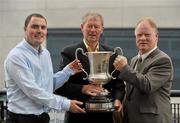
[39, 29]
[93, 28]
[143, 37]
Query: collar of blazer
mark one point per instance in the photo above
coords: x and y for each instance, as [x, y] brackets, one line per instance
[150, 56]
[82, 45]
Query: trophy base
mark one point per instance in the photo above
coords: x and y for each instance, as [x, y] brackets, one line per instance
[100, 107]
[99, 104]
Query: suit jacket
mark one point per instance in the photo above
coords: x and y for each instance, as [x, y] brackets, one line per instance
[148, 91]
[73, 88]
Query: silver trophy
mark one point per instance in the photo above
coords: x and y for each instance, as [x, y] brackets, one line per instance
[99, 75]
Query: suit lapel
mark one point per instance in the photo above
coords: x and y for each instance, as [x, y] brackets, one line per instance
[101, 48]
[133, 62]
[130, 88]
[82, 45]
[155, 52]
[147, 60]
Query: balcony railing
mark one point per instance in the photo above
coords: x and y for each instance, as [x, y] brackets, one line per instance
[175, 107]
[2, 105]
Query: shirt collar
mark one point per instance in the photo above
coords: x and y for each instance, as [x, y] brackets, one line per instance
[89, 48]
[32, 49]
[145, 55]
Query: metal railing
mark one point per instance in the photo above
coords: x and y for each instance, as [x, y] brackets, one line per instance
[175, 107]
[3, 105]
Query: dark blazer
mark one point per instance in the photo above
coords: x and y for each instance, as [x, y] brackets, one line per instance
[73, 88]
[148, 91]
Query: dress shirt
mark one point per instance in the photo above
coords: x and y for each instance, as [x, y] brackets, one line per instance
[89, 49]
[145, 55]
[30, 81]
[142, 57]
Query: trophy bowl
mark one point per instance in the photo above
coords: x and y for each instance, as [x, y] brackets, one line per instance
[99, 75]
[99, 67]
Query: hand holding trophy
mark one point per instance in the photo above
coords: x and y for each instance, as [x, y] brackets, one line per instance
[99, 75]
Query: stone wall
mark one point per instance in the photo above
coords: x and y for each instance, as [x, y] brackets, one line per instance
[68, 13]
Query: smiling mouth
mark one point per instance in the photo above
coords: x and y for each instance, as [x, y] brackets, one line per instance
[38, 36]
[92, 35]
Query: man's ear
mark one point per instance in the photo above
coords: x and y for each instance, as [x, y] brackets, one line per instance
[102, 30]
[81, 27]
[24, 28]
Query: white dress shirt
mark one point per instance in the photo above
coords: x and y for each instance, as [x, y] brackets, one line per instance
[30, 81]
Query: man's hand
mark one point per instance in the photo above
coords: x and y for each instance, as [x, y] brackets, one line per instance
[74, 108]
[117, 105]
[120, 62]
[76, 66]
[91, 89]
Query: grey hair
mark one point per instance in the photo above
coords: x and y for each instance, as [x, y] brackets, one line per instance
[90, 15]
[150, 21]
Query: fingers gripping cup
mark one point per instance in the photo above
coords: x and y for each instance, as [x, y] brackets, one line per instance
[99, 75]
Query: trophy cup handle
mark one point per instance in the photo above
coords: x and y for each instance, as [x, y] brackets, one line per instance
[119, 51]
[76, 54]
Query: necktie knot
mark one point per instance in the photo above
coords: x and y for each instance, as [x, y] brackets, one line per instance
[140, 59]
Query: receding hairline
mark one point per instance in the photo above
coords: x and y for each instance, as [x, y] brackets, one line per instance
[150, 21]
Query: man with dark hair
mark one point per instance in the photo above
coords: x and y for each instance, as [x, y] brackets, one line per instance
[30, 80]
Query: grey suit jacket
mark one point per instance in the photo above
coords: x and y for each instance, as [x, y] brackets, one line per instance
[148, 91]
